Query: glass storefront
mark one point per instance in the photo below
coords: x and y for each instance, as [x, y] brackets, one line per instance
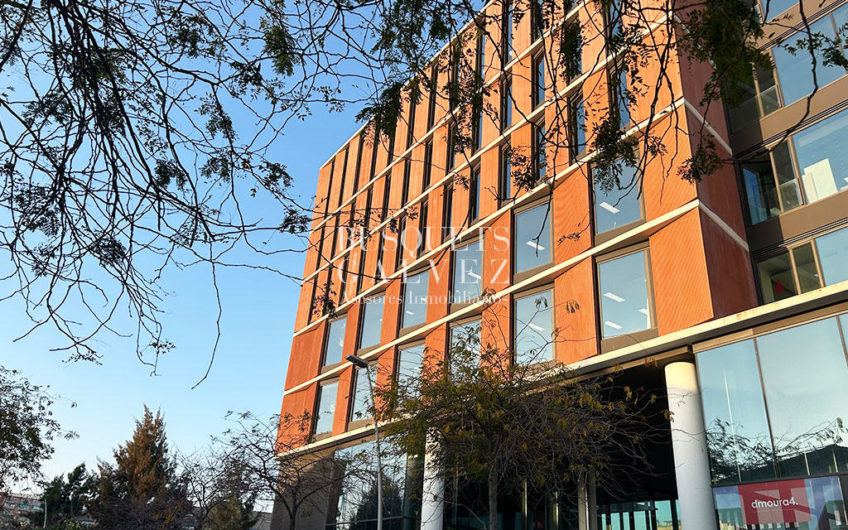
[775, 408]
[354, 504]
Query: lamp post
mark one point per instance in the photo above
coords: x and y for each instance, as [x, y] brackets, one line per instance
[361, 363]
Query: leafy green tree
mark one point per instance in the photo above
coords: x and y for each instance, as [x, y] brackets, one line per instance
[27, 428]
[506, 424]
[66, 497]
[142, 489]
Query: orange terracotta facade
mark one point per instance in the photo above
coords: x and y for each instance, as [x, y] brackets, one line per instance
[699, 267]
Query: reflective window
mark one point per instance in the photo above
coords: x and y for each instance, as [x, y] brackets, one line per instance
[361, 399]
[464, 353]
[800, 370]
[326, 407]
[772, 8]
[576, 124]
[540, 153]
[833, 253]
[532, 238]
[777, 280]
[534, 328]
[624, 295]
[538, 81]
[467, 272]
[372, 323]
[622, 99]
[617, 201]
[805, 410]
[805, 267]
[415, 299]
[506, 173]
[474, 194]
[794, 66]
[735, 414]
[409, 366]
[506, 24]
[355, 499]
[506, 101]
[335, 341]
[819, 167]
[822, 157]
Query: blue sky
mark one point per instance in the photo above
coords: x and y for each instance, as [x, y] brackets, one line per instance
[250, 367]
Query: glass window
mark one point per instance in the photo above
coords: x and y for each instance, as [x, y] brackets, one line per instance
[415, 299]
[534, 328]
[506, 173]
[760, 189]
[614, 18]
[735, 414]
[506, 24]
[506, 101]
[361, 399]
[540, 158]
[833, 253]
[335, 341]
[532, 238]
[772, 8]
[372, 323]
[804, 372]
[576, 124]
[538, 19]
[777, 281]
[326, 407]
[480, 64]
[624, 295]
[795, 68]
[617, 203]
[464, 351]
[409, 366]
[822, 157]
[538, 81]
[805, 267]
[474, 194]
[355, 500]
[467, 272]
[621, 98]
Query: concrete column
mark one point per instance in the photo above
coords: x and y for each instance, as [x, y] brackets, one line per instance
[587, 507]
[689, 443]
[433, 498]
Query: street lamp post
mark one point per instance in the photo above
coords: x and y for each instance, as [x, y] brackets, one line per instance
[361, 363]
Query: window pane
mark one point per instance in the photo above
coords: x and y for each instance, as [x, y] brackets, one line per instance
[372, 323]
[776, 7]
[415, 299]
[804, 375]
[777, 282]
[541, 158]
[467, 272]
[617, 203]
[532, 238]
[624, 295]
[805, 267]
[786, 181]
[326, 408]
[760, 190]
[735, 414]
[534, 328]
[464, 351]
[833, 254]
[795, 71]
[335, 342]
[361, 396]
[822, 157]
[409, 366]
[539, 81]
[623, 101]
